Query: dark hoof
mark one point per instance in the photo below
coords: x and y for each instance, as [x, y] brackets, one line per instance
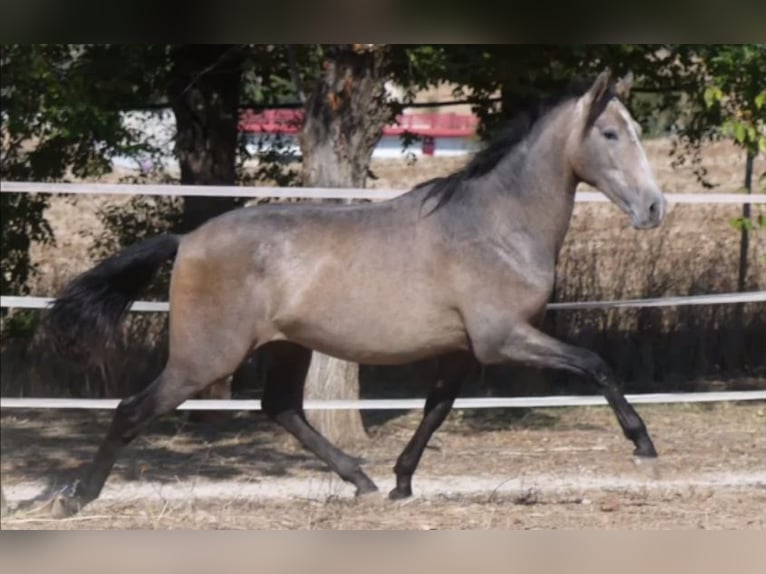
[365, 486]
[398, 493]
[645, 451]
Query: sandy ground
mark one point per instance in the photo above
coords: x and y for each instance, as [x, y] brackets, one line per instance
[543, 468]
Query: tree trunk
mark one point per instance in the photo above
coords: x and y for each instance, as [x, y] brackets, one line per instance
[204, 94]
[344, 120]
[736, 342]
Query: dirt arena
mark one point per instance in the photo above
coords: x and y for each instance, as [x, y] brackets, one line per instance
[514, 468]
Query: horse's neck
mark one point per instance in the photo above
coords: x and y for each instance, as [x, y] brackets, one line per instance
[544, 187]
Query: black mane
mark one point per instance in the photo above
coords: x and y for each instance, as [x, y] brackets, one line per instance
[505, 140]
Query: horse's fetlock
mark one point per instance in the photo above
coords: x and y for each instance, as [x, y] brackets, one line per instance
[404, 465]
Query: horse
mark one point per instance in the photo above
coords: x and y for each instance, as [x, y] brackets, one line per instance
[457, 269]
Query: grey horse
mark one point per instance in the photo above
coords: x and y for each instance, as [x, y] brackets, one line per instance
[458, 270]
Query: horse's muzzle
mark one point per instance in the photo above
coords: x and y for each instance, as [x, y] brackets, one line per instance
[652, 214]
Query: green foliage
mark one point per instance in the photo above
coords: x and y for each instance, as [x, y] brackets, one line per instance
[274, 76]
[274, 164]
[735, 99]
[22, 222]
[501, 79]
[61, 108]
[673, 84]
[736, 94]
[61, 115]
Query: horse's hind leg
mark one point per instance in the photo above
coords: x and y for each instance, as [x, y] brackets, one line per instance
[163, 395]
[283, 401]
[450, 373]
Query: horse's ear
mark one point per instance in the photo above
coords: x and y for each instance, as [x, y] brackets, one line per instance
[622, 88]
[598, 97]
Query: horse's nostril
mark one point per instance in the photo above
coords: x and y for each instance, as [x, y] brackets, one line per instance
[653, 208]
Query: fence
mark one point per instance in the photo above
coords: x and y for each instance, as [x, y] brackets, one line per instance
[379, 195]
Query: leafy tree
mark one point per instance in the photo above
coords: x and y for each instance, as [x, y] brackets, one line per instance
[735, 99]
[668, 94]
[57, 121]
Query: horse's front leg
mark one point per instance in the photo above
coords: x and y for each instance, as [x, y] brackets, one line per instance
[529, 346]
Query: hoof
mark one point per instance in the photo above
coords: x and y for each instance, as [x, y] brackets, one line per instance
[645, 451]
[363, 483]
[366, 489]
[399, 493]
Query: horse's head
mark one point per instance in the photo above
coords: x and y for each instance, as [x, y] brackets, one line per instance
[606, 152]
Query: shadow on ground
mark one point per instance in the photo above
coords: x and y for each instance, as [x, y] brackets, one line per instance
[243, 446]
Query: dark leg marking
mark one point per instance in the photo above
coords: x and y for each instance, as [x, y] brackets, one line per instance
[132, 415]
[283, 401]
[529, 346]
[449, 375]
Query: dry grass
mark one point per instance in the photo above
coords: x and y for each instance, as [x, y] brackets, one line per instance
[690, 509]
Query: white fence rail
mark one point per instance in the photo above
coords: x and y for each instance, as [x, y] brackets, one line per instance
[717, 299]
[381, 404]
[312, 192]
[403, 404]
[369, 194]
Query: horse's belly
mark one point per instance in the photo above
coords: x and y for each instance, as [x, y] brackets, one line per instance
[372, 338]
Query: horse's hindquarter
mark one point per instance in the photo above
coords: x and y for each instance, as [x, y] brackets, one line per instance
[362, 284]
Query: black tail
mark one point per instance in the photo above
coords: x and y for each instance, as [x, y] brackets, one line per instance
[83, 320]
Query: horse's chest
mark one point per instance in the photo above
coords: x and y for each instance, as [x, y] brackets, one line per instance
[520, 266]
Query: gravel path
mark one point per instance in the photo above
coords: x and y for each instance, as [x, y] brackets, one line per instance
[320, 489]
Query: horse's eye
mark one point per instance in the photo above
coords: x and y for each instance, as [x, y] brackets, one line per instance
[610, 133]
